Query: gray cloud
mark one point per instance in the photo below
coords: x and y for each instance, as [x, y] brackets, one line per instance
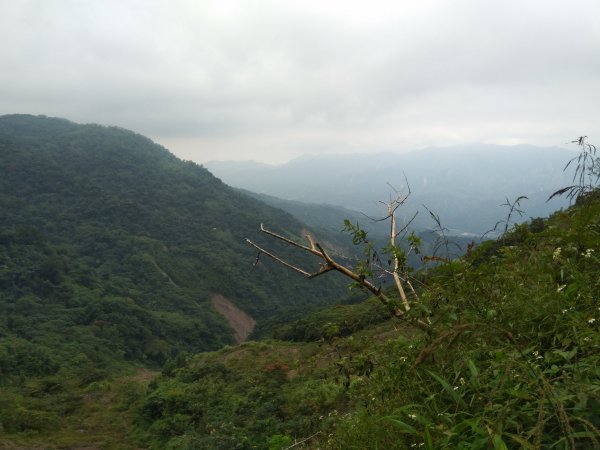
[270, 80]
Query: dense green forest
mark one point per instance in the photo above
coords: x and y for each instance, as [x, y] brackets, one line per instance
[108, 235]
[111, 249]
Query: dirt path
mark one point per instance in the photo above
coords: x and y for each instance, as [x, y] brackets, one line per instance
[241, 322]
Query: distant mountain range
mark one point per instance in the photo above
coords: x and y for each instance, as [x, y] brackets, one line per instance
[464, 186]
[326, 221]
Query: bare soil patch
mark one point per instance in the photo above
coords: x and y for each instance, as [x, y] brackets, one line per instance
[240, 321]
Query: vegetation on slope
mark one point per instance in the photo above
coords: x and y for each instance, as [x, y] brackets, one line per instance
[110, 251]
[103, 229]
[111, 248]
[512, 360]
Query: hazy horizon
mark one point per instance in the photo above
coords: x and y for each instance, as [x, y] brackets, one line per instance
[569, 146]
[270, 81]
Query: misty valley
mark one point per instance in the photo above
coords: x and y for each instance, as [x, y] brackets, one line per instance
[440, 299]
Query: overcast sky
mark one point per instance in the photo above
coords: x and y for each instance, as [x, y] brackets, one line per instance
[270, 80]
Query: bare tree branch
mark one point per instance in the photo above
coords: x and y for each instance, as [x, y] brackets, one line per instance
[328, 265]
[359, 276]
[279, 260]
[289, 241]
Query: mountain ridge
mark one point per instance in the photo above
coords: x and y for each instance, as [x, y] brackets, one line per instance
[109, 221]
[463, 185]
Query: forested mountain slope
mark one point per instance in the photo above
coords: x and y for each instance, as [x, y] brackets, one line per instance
[110, 241]
[510, 359]
[508, 356]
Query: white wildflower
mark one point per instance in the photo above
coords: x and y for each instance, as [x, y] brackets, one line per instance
[588, 253]
[556, 254]
[591, 320]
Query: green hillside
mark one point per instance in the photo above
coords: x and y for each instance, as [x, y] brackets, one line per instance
[511, 360]
[111, 250]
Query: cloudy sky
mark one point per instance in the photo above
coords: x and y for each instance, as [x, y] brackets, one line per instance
[270, 80]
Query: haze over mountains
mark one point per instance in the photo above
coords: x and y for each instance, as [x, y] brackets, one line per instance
[464, 185]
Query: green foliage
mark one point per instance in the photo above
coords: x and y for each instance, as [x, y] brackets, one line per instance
[513, 357]
[101, 268]
[245, 397]
[110, 250]
[336, 321]
[587, 171]
[510, 361]
[109, 237]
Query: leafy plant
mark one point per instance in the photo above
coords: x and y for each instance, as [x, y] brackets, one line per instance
[587, 171]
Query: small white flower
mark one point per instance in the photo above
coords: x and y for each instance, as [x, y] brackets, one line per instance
[456, 388]
[560, 288]
[587, 339]
[588, 253]
[462, 381]
[591, 320]
[564, 311]
[412, 416]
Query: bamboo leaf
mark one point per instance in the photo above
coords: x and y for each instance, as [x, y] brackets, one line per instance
[449, 389]
[498, 442]
[403, 426]
[427, 439]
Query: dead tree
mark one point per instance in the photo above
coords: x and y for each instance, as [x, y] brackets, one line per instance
[392, 206]
[328, 263]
